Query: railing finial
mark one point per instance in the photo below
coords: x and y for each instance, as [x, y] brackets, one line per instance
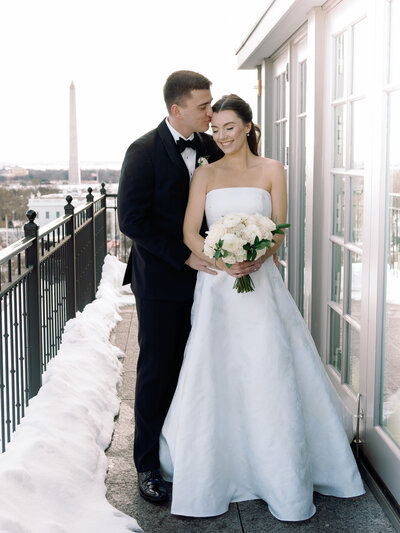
[31, 228]
[89, 197]
[103, 188]
[31, 215]
[69, 208]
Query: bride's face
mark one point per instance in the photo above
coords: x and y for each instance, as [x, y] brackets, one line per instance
[229, 131]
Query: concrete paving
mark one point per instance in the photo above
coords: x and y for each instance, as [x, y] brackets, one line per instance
[334, 515]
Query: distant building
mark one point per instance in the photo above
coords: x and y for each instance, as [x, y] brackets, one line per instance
[48, 207]
[51, 206]
[13, 172]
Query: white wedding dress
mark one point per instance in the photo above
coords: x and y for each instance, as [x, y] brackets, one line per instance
[254, 414]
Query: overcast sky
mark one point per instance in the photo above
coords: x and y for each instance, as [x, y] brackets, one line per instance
[118, 53]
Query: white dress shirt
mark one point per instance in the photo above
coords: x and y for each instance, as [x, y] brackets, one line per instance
[188, 154]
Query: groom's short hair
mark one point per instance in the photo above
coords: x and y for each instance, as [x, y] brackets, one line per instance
[180, 84]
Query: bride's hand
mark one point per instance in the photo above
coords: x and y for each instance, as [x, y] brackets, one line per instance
[238, 270]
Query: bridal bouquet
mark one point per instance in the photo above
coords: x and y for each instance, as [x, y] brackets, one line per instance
[241, 237]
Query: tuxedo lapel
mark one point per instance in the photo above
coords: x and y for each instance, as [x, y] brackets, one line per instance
[170, 146]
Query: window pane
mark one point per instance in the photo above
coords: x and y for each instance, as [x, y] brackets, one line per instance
[394, 69]
[358, 134]
[303, 86]
[390, 394]
[335, 351]
[338, 206]
[339, 137]
[281, 142]
[278, 140]
[302, 217]
[357, 209]
[278, 97]
[282, 113]
[355, 279]
[337, 274]
[360, 58]
[353, 358]
[339, 66]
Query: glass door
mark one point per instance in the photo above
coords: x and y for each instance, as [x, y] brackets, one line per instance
[390, 390]
[280, 145]
[363, 181]
[348, 108]
[382, 441]
[297, 165]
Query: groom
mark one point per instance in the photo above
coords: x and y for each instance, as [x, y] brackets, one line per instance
[152, 198]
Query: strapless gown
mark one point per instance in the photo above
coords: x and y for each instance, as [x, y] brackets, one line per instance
[254, 415]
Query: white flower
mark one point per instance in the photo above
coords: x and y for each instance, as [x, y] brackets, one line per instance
[229, 260]
[216, 232]
[260, 253]
[250, 232]
[209, 250]
[232, 220]
[202, 161]
[233, 244]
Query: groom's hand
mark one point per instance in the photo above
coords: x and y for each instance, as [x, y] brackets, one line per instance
[199, 264]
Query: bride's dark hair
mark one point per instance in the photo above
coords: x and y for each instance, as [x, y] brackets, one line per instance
[233, 102]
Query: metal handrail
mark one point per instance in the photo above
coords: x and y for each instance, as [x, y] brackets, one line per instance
[46, 277]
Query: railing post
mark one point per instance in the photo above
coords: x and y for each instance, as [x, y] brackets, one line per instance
[103, 192]
[71, 260]
[33, 310]
[90, 213]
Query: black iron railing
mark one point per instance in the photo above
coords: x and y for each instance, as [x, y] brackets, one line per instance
[45, 278]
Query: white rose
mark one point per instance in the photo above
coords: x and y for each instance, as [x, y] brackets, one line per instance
[209, 250]
[267, 235]
[251, 232]
[229, 260]
[232, 243]
[216, 232]
[252, 219]
[232, 220]
[260, 253]
[202, 161]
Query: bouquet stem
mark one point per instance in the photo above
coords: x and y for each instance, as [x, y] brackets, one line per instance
[244, 284]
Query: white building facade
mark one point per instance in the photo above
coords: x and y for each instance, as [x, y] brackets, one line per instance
[48, 207]
[329, 109]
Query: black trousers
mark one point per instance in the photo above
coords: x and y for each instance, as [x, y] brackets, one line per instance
[164, 327]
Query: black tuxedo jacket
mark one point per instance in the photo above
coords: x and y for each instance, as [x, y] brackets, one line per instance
[152, 197]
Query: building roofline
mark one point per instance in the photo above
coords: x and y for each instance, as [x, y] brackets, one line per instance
[281, 19]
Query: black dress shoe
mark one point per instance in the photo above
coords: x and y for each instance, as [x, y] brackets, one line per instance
[152, 487]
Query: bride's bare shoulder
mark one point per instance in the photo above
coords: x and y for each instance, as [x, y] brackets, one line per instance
[272, 168]
[271, 164]
[202, 176]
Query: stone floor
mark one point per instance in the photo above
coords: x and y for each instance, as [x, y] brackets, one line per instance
[354, 515]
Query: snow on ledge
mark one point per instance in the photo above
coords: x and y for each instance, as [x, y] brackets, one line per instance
[52, 474]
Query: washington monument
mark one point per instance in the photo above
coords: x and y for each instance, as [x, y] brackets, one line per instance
[74, 173]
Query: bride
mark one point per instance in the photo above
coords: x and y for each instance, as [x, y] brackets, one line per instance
[254, 415]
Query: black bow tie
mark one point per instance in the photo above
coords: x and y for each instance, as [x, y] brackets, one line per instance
[182, 144]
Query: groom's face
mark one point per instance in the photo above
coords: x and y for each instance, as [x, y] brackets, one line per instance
[196, 111]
